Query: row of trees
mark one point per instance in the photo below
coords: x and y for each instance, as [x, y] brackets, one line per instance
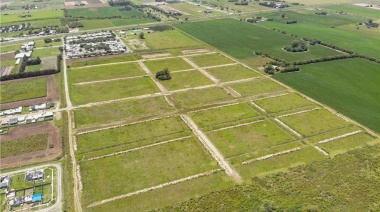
[28, 74]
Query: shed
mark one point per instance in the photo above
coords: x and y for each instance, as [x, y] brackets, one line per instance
[13, 121]
[37, 197]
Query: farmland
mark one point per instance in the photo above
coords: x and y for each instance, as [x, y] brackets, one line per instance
[104, 12]
[28, 144]
[21, 90]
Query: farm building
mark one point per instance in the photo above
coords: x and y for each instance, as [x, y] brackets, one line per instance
[34, 175]
[5, 182]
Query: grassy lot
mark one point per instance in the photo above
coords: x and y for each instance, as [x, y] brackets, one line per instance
[106, 60]
[45, 52]
[33, 68]
[283, 103]
[256, 86]
[210, 60]
[142, 169]
[173, 64]
[355, 10]
[104, 12]
[241, 39]
[82, 94]
[303, 188]
[34, 15]
[186, 79]
[341, 131]
[132, 136]
[314, 122]
[196, 98]
[248, 138]
[24, 145]
[349, 86]
[49, 62]
[231, 73]
[169, 195]
[21, 90]
[169, 40]
[105, 72]
[126, 111]
[220, 115]
[105, 23]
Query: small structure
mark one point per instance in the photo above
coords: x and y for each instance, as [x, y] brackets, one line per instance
[22, 54]
[13, 121]
[34, 175]
[37, 197]
[5, 181]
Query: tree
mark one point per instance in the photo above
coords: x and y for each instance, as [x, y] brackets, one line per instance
[48, 40]
[141, 35]
[283, 15]
[163, 75]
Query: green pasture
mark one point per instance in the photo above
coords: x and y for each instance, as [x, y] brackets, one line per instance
[123, 111]
[103, 91]
[186, 79]
[337, 132]
[248, 138]
[106, 23]
[104, 12]
[240, 40]
[45, 52]
[24, 145]
[169, 40]
[104, 60]
[314, 122]
[256, 87]
[210, 60]
[7, 18]
[355, 10]
[196, 98]
[132, 136]
[349, 86]
[105, 72]
[170, 195]
[225, 114]
[22, 90]
[231, 73]
[143, 168]
[173, 64]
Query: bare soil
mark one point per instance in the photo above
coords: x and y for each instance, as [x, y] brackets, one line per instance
[7, 56]
[37, 156]
[52, 94]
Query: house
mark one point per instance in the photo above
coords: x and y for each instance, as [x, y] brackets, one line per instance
[34, 175]
[5, 181]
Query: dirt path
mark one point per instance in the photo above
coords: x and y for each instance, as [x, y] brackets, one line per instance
[108, 80]
[214, 151]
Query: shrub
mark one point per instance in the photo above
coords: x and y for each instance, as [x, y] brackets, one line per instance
[163, 75]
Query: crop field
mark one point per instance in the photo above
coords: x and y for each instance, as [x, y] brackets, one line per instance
[127, 111]
[100, 61]
[105, 72]
[231, 73]
[144, 168]
[103, 12]
[210, 60]
[94, 92]
[349, 86]
[196, 98]
[355, 10]
[314, 122]
[24, 145]
[249, 39]
[186, 79]
[173, 64]
[34, 15]
[223, 115]
[23, 89]
[256, 87]
[131, 136]
[106, 23]
[169, 40]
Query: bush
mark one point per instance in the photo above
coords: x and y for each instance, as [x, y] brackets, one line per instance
[48, 40]
[163, 75]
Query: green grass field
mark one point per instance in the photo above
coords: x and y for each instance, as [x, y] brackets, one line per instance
[24, 145]
[105, 72]
[240, 40]
[34, 15]
[95, 92]
[355, 10]
[169, 40]
[196, 98]
[333, 133]
[283, 103]
[116, 59]
[231, 73]
[142, 169]
[45, 52]
[106, 23]
[124, 111]
[226, 114]
[21, 90]
[173, 64]
[104, 12]
[248, 138]
[349, 86]
[186, 79]
[256, 87]
[210, 60]
[314, 122]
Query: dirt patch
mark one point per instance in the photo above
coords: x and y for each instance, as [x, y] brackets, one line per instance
[7, 56]
[54, 137]
[52, 94]
[7, 71]
[151, 56]
[371, 6]
[137, 44]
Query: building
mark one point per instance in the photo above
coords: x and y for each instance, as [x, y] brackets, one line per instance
[13, 121]
[34, 175]
[5, 181]
[22, 54]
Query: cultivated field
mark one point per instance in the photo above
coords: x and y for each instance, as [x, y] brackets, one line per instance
[22, 90]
